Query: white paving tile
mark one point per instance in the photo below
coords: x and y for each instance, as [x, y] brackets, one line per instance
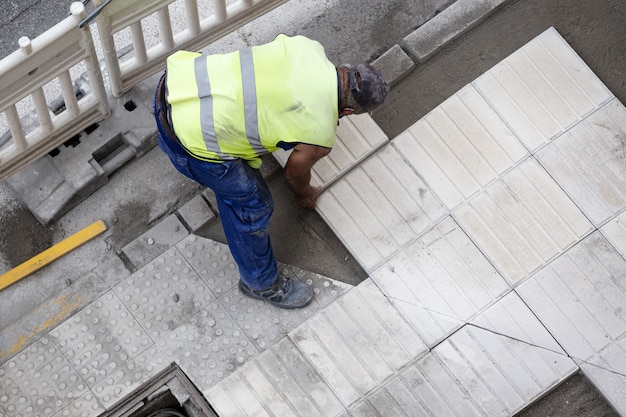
[612, 385]
[615, 232]
[428, 387]
[280, 380]
[588, 162]
[358, 342]
[511, 317]
[379, 207]
[542, 89]
[522, 221]
[440, 281]
[357, 137]
[501, 375]
[580, 297]
[460, 147]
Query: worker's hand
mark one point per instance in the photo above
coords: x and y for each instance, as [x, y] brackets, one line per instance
[309, 198]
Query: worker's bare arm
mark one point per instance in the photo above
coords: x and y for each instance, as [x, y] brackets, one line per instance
[298, 172]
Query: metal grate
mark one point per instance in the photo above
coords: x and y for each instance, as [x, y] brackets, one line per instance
[169, 394]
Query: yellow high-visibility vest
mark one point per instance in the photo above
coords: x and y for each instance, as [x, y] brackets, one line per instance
[244, 103]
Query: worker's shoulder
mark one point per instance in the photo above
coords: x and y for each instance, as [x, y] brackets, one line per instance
[295, 40]
[183, 56]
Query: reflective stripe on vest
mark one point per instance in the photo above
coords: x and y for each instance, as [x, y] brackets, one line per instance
[250, 105]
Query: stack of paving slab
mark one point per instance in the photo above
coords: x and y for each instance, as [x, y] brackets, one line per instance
[493, 234]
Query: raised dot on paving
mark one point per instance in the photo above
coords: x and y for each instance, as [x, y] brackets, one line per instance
[212, 261]
[209, 347]
[164, 293]
[101, 338]
[39, 381]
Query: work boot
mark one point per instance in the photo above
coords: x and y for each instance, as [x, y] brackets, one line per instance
[284, 293]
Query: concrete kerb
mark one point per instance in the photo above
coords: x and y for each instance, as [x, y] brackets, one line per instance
[455, 20]
[426, 40]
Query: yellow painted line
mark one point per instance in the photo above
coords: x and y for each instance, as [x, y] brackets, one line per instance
[52, 254]
[51, 313]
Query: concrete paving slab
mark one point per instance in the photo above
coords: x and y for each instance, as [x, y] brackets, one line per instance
[588, 162]
[212, 261]
[358, 136]
[130, 376]
[580, 296]
[512, 318]
[460, 147]
[164, 293]
[155, 241]
[474, 373]
[523, 221]
[100, 338]
[611, 384]
[39, 381]
[440, 282]
[542, 89]
[85, 406]
[379, 208]
[280, 380]
[208, 347]
[358, 342]
[501, 375]
[196, 214]
[615, 233]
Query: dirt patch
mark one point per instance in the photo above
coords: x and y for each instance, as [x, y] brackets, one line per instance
[574, 397]
[129, 221]
[19, 225]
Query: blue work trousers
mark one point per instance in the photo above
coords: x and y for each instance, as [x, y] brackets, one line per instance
[244, 202]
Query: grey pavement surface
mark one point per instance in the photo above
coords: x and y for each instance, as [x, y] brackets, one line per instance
[142, 196]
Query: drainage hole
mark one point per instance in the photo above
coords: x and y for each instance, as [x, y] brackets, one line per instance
[73, 141]
[130, 105]
[89, 129]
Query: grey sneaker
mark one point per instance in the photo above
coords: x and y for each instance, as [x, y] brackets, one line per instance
[284, 293]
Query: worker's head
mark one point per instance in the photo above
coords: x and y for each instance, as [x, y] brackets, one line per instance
[366, 88]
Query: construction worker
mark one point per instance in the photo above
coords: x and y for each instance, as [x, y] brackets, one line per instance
[218, 114]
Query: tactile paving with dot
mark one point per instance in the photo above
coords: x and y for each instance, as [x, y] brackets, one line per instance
[263, 323]
[212, 261]
[85, 406]
[100, 338]
[209, 347]
[326, 290]
[39, 381]
[164, 293]
[130, 376]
